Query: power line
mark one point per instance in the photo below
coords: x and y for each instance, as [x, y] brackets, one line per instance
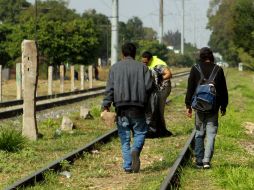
[106, 4]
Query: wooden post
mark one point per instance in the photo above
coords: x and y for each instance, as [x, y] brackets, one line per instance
[19, 81]
[82, 75]
[50, 80]
[72, 79]
[30, 62]
[90, 76]
[61, 78]
[0, 83]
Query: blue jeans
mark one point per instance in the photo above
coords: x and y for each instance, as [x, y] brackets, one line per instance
[138, 127]
[206, 126]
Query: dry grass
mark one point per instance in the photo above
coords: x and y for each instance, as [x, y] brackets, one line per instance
[10, 89]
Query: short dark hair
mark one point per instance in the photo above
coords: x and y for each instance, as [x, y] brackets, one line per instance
[147, 54]
[205, 54]
[129, 49]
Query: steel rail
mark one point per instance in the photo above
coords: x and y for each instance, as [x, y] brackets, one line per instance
[14, 108]
[172, 181]
[39, 98]
[14, 111]
[45, 97]
[181, 74]
[56, 165]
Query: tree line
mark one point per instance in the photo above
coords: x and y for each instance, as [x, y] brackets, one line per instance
[232, 26]
[64, 36]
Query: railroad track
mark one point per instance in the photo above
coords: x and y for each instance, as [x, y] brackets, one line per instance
[14, 108]
[66, 94]
[171, 181]
[181, 74]
[56, 165]
[46, 102]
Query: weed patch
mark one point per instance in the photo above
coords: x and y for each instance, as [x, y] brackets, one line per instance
[232, 162]
[11, 140]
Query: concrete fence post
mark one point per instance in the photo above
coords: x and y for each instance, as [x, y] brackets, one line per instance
[50, 80]
[82, 76]
[90, 76]
[99, 62]
[61, 78]
[19, 80]
[240, 66]
[22, 82]
[72, 78]
[30, 62]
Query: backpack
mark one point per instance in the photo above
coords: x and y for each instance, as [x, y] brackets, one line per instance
[204, 98]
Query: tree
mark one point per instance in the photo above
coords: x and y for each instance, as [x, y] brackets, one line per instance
[172, 39]
[69, 39]
[221, 23]
[103, 28]
[232, 25]
[134, 29]
[122, 32]
[149, 34]
[74, 41]
[5, 30]
[56, 10]
[243, 27]
[10, 10]
[154, 47]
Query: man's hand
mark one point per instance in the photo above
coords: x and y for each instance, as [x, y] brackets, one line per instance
[103, 112]
[189, 112]
[166, 74]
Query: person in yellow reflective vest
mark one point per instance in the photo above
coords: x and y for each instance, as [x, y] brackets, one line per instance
[155, 113]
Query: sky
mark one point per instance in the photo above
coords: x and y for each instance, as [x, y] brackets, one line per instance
[148, 12]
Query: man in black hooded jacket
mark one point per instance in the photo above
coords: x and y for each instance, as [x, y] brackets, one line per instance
[206, 123]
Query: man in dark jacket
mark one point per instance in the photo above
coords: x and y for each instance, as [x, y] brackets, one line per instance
[155, 112]
[128, 88]
[206, 123]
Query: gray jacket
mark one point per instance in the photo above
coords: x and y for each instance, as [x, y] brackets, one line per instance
[129, 84]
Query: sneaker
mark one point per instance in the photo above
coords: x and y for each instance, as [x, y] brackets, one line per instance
[207, 165]
[199, 165]
[135, 161]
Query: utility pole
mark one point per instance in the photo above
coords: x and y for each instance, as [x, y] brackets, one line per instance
[114, 32]
[161, 22]
[182, 29]
[195, 25]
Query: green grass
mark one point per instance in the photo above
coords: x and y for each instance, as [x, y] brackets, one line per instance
[235, 176]
[35, 155]
[232, 164]
[11, 140]
[103, 168]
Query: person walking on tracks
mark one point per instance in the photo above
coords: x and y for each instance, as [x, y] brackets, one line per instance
[162, 76]
[206, 94]
[128, 87]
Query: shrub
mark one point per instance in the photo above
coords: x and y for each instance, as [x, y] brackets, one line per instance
[11, 140]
